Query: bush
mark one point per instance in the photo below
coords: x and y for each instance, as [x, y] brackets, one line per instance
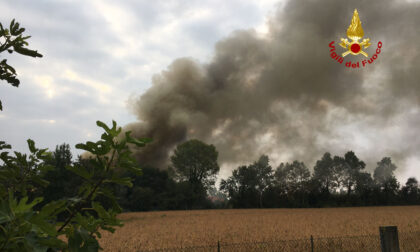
[24, 228]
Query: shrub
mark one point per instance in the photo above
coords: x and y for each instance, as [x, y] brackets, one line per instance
[23, 228]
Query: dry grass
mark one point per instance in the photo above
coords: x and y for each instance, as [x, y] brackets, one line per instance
[153, 230]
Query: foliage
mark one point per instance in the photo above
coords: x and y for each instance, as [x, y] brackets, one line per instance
[384, 170]
[241, 187]
[21, 174]
[61, 182]
[337, 181]
[410, 192]
[294, 176]
[153, 190]
[13, 40]
[195, 163]
[351, 166]
[25, 229]
[325, 174]
[247, 184]
[264, 173]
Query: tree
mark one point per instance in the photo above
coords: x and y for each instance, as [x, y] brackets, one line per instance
[364, 188]
[410, 192]
[241, 187]
[230, 187]
[23, 228]
[13, 40]
[264, 176]
[196, 162]
[294, 178]
[153, 190]
[385, 180]
[61, 181]
[248, 184]
[351, 166]
[293, 175]
[384, 171]
[326, 174]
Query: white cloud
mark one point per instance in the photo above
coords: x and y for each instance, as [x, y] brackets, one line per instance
[98, 53]
[101, 89]
[45, 82]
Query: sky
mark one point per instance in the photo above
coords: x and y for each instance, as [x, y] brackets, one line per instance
[127, 60]
[98, 54]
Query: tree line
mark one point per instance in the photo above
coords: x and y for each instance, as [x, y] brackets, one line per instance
[335, 181]
[189, 183]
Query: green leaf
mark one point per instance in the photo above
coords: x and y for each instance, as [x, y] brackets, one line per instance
[6, 214]
[12, 24]
[27, 52]
[80, 170]
[89, 146]
[103, 125]
[110, 229]
[53, 208]
[114, 125]
[75, 241]
[19, 32]
[74, 200]
[46, 167]
[31, 242]
[44, 154]
[102, 213]
[102, 148]
[138, 142]
[3, 145]
[81, 146]
[23, 207]
[146, 140]
[111, 197]
[120, 181]
[107, 137]
[53, 242]
[41, 224]
[31, 145]
[40, 181]
[136, 170]
[98, 148]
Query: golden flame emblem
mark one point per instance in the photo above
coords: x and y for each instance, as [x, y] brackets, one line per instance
[355, 32]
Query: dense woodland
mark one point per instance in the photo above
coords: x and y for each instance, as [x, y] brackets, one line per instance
[189, 183]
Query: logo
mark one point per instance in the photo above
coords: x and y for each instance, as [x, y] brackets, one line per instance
[355, 33]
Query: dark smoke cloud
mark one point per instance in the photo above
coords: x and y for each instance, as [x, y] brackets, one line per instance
[284, 96]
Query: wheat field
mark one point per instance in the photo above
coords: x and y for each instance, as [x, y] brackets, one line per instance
[168, 229]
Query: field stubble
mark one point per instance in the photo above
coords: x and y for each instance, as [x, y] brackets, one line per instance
[168, 229]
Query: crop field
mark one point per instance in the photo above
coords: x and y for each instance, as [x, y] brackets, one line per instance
[169, 229]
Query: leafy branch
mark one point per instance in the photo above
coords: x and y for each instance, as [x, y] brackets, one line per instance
[23, 228]
[13, 40]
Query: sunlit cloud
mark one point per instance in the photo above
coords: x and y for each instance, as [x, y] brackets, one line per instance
[46, 83]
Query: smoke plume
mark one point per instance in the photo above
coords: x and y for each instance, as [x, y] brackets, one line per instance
[283, 95]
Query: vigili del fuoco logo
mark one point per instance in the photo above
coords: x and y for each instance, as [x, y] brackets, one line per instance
[354, 47]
